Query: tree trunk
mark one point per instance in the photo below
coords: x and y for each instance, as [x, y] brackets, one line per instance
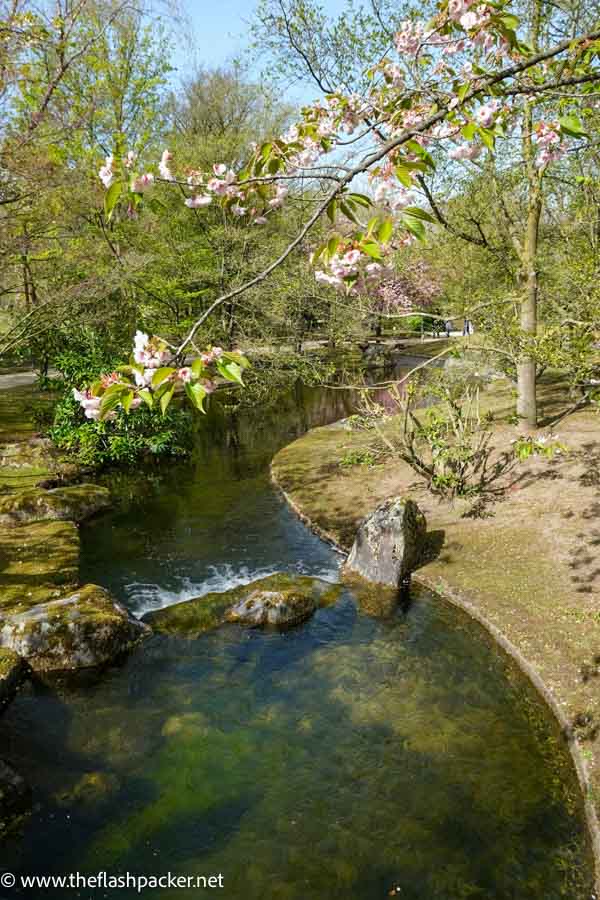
[526, 367]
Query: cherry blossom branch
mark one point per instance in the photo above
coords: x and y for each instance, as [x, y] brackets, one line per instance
[372, 158]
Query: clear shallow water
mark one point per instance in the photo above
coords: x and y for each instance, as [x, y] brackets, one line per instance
[346, 758]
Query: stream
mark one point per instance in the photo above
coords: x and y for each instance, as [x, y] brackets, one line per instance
[350, 757]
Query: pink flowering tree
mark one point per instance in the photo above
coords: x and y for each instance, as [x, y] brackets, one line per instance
[451, 89]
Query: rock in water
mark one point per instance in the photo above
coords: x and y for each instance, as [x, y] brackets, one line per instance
[13, 672]
[84, 629]
[389, 543]
[280, 608]
[300, 594]
[74, 503]
[15, 797]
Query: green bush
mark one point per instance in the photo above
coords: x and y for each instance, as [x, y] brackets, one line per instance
[125, 441]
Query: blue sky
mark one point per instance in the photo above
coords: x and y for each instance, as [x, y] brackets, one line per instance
[220, 29]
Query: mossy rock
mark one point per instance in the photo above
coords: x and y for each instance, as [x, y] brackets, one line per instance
[281, 608]
[15, 798]
[191, 618]
[74, 503]
[38, 562]
[25, 463]
[13, 672]
[84, 629]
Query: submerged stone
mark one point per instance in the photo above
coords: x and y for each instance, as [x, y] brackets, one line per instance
[389, 543]
[279, 599]
[84, 629]
[13, 672]
[15, 797]
[92, 789]
[74, 503]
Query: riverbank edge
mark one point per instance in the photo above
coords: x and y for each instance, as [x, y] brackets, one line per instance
[468, 604]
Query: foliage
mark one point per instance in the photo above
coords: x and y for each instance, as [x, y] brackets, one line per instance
[447, 444]
[123, 441]
[359, 458]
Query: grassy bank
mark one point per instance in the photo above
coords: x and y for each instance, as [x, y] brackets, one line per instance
[529, 568]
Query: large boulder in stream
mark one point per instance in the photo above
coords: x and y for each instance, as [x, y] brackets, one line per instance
[389, 543]
[74, 503]
[82, 629]
[278, 600]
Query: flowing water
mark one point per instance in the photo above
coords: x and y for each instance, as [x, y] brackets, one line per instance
[351, 757]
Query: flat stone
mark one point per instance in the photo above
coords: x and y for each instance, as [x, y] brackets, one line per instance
[74, 503]
[83, 629]
[300, 595]
[38, 563]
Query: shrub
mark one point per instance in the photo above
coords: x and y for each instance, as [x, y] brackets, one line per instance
[124, 441]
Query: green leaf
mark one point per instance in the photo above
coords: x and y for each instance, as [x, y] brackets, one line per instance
[510, 21]
[572, 125]
[420, 151]
[385, 230]
[238, 358]
[198, 367]
[166, 398]
[332, 244]
[332, 210]
[111, 398]
[127, 400]
[415, 226]
[372, 249]
[196, 395]
[463, 90]
[266, 150]
[161, 375]
[419, 213]
[468, 131]
[373, 223]
[360, 200]
[348, 212]
[230, 370]
[147, 397]
[111, 197]
[488, 137]
[403, 174]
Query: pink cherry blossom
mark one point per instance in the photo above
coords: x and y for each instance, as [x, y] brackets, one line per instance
[164, 168]
[142, 183]
[485, 114]
[409, 38]
[198, 201]
[185, 374]
[106, 173]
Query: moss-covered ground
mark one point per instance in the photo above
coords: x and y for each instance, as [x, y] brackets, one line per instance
[529, 564]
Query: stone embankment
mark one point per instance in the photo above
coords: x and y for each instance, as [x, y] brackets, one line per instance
[48, 621]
